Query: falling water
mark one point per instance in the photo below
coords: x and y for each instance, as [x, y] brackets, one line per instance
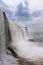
[25, 48]
[18, 33]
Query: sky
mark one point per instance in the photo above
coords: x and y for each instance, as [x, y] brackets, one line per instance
[24, 12]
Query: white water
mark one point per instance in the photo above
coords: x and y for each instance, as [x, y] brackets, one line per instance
[27, 49]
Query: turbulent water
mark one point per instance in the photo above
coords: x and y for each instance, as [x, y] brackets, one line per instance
[30, 50]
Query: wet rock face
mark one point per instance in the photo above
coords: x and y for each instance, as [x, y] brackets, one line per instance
[5, 39]
[2, 36]
[5, 36]
[8, 38]
[7, 31]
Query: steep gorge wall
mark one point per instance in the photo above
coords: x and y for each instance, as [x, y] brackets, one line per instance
[7, 31]
[5, 36]
[2, 36]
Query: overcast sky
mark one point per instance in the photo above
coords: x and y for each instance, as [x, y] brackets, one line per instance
[24, 11]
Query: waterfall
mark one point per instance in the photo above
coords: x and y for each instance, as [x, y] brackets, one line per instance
[18, 32]
[5, 37]
[25, 48]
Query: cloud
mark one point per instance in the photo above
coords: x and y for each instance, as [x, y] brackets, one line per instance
[22, 12]
[32, 4]
[3, 5]
[18, 7]
[7, 10]
[26, 4]
[12, 4]
[38, 13]
[36, 24]
[35, 5]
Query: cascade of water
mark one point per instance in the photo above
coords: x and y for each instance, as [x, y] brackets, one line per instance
[18, 32]
[25, 49]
